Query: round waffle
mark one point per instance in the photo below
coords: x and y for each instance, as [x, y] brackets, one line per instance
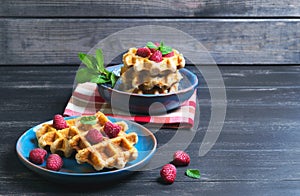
[143, 76]
[108, 153]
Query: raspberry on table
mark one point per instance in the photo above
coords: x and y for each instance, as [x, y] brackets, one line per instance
[143, 52]
[168, 173]
[54, 162]
[37, 155]
[111, 130]
[94, 136]
[59, 122]
[156, 56]
[181, 158]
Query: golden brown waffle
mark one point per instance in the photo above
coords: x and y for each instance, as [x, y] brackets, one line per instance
[143, 81]
[143, 76]
[108, 153]
[156, 90]
[130, 59]
[57, 141]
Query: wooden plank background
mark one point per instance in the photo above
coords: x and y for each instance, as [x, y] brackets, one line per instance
[153, 8]
[234, 32]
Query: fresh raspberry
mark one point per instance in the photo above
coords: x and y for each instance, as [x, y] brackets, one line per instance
[169, 54]
[143, 52]
[54, 162]
[37, 155]
[154, 49]
[168, 173]
[157, 44]
[59, 122]
[111, 130]
[181, 158]
[156, 56]
[94, 136]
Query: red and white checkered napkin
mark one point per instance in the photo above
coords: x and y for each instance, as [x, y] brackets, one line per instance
[86, 100]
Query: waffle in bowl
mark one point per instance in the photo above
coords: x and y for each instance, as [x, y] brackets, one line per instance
[130, 59]
[145, 76]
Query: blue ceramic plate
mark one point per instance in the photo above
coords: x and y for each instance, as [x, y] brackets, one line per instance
[148, 103]
[72, 172]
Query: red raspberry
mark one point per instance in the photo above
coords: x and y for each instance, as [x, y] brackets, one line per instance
[54, 162]
[156, 56]
[154, 49]
[169, 54]
[59, 122]
[143, 52]
[111, 130]
[37, 155]
[94, 136]
[181, 158]
[168, 173]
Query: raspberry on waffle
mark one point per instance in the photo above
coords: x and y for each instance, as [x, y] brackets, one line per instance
[55, 140]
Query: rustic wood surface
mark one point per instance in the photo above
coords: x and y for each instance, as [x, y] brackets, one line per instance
[234, 32]
[157, 8]
[257, 152]
[229, 41]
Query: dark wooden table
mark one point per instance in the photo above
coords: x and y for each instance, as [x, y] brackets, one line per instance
[257, 152]
[256, 43]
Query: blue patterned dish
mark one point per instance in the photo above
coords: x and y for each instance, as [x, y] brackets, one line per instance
[72, 172]
[149, 103]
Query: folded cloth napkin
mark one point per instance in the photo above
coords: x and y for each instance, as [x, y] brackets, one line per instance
[86, 100]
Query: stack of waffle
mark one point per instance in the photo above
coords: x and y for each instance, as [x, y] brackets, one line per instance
[109, 153]
[143, 76]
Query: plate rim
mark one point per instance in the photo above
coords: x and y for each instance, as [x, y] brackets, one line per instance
[35, 167]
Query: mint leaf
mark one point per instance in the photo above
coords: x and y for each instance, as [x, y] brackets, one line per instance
[84, 75]
[161, 44]
[165, 50]
[151, 45]
[88, 60]
[99, 79]
[193, 173]
[88, 120]
[100, 61]
[94, 71]
[113, 79]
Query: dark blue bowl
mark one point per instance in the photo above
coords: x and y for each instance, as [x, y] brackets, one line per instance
[149, 103]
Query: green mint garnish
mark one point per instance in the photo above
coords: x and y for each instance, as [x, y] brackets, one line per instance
[94, 71]
[151, 45]
[88, 120]
[193, 173]
[162, 47]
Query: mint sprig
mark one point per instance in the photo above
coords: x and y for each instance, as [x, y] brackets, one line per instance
[94, 71]
[88, 120]
[193, 173]
[162, 47]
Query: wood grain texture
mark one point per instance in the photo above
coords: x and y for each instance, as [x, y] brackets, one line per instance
[157, 8]
[229, 41]
[257, 152]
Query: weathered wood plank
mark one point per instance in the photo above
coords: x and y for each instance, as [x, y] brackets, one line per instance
[159, 8]
[229, 41]
[257, 152]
